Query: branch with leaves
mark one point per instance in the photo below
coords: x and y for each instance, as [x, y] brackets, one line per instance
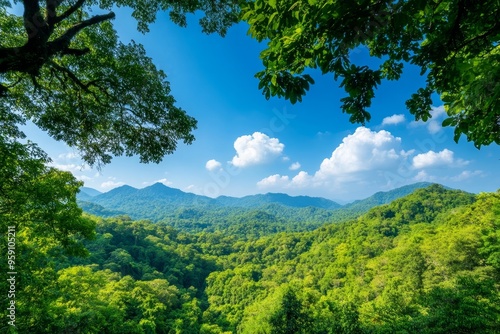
[64, 69]
[454, 42]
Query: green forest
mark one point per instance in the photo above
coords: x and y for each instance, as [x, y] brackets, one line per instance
[426, 263]
[423, 261]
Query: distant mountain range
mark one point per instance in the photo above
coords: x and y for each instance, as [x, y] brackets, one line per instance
[162, 203]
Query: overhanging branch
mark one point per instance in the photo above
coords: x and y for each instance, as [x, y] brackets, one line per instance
[70, 74]
[62, 43]
[75, 52]
[70, 11]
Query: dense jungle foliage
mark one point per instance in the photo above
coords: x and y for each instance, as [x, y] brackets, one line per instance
[426, 263]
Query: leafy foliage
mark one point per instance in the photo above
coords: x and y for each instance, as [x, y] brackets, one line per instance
[454, 42]
[64, 69]
[426, 263]
[40, 222]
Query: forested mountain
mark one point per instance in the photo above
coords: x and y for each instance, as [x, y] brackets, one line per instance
[159, 194]
[254, 201]
[86, 194]
[195, 213]
[384, 197]
[89, 191]
[425, 263]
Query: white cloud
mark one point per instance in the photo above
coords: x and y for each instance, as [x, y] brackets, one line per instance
[255, 149]
[274, 181]
[69, 162]
[83, 177]
[422, 176]
[280, 182]
[294, 166]
[213, 165]
[362, 151]
[431, 158]
[361, 159]
[193, 189]
[364, 162]
[302, 180]
[437, 112]
[434, 123]
[164, 181]
[434, 127]
[68, 156]
[111, 184]
[393, 120]
[466, 174]
[70, 167]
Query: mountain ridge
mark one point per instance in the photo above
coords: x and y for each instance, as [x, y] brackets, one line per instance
[159, 202]
[158, 188]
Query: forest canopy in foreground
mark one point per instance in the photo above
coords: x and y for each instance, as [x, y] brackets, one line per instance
[426, 263]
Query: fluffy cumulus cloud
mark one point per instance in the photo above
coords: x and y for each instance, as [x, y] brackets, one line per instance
[256, 149]
[213, 165]
[431, 158]
[362, 154]
[280, 182]
[393, 120]
[274, 181]
[294, 166]
[364, 162]
[362, 151]
[302, 180]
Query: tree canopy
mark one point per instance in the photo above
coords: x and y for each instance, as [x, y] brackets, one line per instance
[454, 42]
[425, 263]
[63, 67]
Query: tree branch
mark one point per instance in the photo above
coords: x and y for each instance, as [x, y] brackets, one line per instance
[3, 90]
[75, 52]
[51, 6]
[36, 85]
[34, 23]
[491, 31]
[70, 74]
[78, 82]
[62, 43]
[70, 11]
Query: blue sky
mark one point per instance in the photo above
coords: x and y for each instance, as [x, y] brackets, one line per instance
[246, 144]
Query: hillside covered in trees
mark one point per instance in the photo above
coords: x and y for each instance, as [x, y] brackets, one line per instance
[141, 261]
[425, 263]
[259, 214]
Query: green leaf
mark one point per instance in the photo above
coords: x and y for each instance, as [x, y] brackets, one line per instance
[271, 18]
[273, 80]
[449, 121]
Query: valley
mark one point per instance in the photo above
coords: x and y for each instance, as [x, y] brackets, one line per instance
[426, 262]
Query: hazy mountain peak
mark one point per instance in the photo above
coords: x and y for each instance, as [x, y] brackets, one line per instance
[90, 191]
[158, 202]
